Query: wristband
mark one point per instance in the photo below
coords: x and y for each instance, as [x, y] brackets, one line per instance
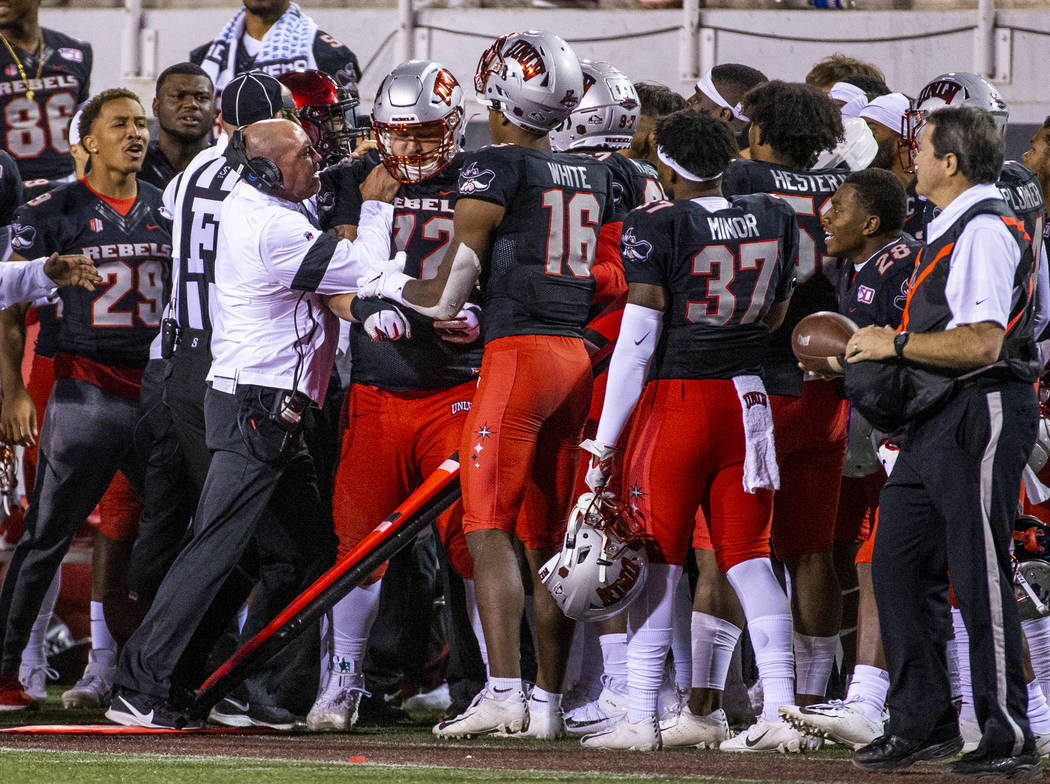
[899, 341]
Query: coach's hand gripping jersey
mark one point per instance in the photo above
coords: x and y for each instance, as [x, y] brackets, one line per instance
[422, 228]
[115, 323]
[537, 277]
[723, 270]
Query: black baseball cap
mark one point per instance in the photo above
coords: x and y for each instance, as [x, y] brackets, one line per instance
[251, 97]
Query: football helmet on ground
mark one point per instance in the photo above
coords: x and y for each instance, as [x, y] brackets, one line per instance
[602, 565]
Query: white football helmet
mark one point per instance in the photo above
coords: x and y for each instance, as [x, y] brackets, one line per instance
[419, 96]
[602, 564]
[533, 78]
[607, 114]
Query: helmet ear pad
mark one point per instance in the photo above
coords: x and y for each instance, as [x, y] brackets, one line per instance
[258, 171]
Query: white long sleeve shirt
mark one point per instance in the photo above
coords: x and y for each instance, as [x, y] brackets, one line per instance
[270, 327]
[24, 281]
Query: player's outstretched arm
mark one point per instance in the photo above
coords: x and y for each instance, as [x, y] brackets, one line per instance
[72, 270]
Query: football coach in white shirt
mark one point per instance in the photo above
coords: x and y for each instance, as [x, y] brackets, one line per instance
[965, 349]
[273, 345]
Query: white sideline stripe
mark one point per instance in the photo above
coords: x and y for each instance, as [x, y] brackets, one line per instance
[991, 562]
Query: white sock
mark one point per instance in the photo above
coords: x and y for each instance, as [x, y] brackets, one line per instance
[352, 619]
[714, 640]
[103, 646]
[869, 688]
[768, 616]
[1038, 711]
[961, 644]
[814, 658]
[614, 659]
[35, 653]
[545, 699]
[504, 688]
[471, 597]
[681, 642]
[1037, 632]
[650, 621]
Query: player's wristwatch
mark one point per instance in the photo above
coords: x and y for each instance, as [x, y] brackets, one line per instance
[899, 341]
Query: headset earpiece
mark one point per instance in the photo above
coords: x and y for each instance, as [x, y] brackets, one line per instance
[260, 172]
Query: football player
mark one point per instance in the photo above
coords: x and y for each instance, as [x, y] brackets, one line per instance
[1037, 158]
[184, 106]
[790, 125]
[45, 75]
[326, 112]
[413, 378]
[528, 221]
[720, 91]
[602, 125]
[840, 68]
[864, 227]
[103, 346]
[656, 101]
[709, 279]
[885, 118]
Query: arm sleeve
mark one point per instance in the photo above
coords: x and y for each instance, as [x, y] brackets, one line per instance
[981, 279]
[609, 279]
[23, 281]
[344, 185]
[304, 258]
[639, 334]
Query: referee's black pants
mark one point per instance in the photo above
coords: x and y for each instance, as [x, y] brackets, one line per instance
[249, 454]
[948, 508]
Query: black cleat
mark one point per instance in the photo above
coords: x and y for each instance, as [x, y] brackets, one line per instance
[978, 763]
[891, 752]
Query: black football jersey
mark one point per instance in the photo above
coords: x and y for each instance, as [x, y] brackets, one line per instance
[36, 131]
[875, 293]
[536, 279]
[722, 269]
[330, 56]
[914, 218]
[156, 168]
[635, 182]
[809, 193]
[115, 323]
[422, 228]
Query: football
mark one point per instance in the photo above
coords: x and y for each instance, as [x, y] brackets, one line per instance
[819, 342]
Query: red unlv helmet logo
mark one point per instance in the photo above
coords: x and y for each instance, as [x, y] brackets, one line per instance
[528, 57]
[444, 84]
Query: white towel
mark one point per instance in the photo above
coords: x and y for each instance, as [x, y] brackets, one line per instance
[760, 454]
[291, 37]
[1036, 491]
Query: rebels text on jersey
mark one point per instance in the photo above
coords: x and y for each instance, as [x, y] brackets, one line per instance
[537, 277]
[723, 269]
[422, 228]
[635, 182]
[873, 293]
[809, 193]
[115, 323]
[36, 131]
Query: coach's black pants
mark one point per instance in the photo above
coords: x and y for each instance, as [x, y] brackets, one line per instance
[948, 508]
[249, 454]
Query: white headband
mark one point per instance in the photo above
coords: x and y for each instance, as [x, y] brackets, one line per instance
[74, 128]
[707, 87]
[845, 92]
[680, 170]
[887, 110]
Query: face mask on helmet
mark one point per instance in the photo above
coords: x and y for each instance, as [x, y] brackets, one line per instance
[326, 111]
[418, 120]
[602, 565]
[607, 114]
[950, 89]
[1031, 569]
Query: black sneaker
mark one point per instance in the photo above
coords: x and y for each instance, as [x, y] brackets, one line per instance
[272, 716]
[978, 763]
[892, 752]
[134, 709]
[231, 712]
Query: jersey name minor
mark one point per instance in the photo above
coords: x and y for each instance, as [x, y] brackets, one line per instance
[735, 228]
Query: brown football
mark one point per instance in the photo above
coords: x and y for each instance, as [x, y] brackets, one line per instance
[819, 341]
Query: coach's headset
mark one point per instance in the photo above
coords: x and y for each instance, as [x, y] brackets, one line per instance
[259, 172]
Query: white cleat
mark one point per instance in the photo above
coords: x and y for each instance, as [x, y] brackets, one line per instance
[546, 722]
[598, 716]
[771, 736]
[971, 734]
[1042, 743]
[34, 681]
[688, 729]
[335, 709]
[842, 722]
[487, 715]
[91, 691]
[643, 736]
[429, 705]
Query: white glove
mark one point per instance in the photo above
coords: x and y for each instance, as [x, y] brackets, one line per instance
[601, 464]
[464, 328]
[385, 279]
[388, 324]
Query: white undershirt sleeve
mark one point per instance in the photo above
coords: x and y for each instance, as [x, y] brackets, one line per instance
[628, 369]
[981, 279]
[23, 281]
